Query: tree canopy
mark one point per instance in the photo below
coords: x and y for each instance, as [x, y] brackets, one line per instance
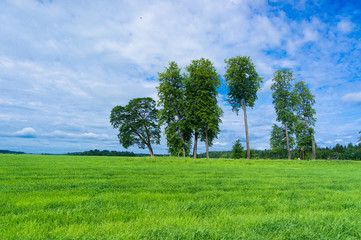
[137, 123]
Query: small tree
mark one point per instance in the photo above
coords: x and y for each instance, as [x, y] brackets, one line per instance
[137, 123]
[237, 149]
[243, 82]
[284, 101]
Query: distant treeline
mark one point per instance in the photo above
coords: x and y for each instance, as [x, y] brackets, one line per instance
[97, 152]
[341, 152]
[10, 152]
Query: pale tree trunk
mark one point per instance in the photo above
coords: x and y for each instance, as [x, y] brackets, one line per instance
[207, 145]
[302, 153]
[313, 140]
[195, 145]
[246, 127]
[287, 143]
[313, 149]
[150, 150]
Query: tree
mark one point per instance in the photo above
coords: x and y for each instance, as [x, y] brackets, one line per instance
[137, 123]
[278, 138]
[305, 112]
[204, 115]
[171, 93]
[237, 149]
[359, 137]
[284, 101]
[243, 82]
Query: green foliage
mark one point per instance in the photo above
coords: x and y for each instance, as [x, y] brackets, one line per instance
[350, 152]
[78, 197]
[204, 114]
[359, 137]
[242, 82]
[304, 101]
[284, 102]
[304, 112]
[237, 149]
[10, 152]
[97, 152]
[283, 96]
[304, 135]
[278, 139]
[173, 115]
[137, 123]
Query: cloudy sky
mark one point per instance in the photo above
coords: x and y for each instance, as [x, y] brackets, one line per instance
[65, 64]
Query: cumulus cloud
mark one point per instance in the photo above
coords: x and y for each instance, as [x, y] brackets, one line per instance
[27, 132]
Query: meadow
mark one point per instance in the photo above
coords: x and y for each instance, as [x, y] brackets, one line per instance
[82, 197]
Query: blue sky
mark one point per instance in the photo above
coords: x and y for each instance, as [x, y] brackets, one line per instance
[65, 64]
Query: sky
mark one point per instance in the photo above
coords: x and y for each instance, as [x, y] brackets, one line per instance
[65, 64]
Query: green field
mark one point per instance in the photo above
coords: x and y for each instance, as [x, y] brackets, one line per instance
[69, 197]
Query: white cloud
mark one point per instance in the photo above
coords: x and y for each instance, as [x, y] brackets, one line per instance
[220, 143]
[267, 86]
[352, 97]
[345, 26]
[27, 132]
[87, 135]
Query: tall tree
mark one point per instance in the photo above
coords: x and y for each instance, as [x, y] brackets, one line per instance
[171, 93]
[359, 137]
[137, 123]
[243, 82]
[305, 112]
[284, 101]
[204, 115]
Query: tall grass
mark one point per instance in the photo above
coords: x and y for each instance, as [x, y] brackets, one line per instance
[69, 197]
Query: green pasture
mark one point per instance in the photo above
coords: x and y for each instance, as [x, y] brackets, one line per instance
[75, 197]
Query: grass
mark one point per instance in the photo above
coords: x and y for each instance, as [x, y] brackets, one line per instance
[70, 197]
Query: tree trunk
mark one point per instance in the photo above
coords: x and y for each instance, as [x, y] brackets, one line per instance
[207, 146]
[246, 127]
[313, 149]
[195, 145]
[313, 140]
[302, 154]
[150, 150]
[287, 143]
